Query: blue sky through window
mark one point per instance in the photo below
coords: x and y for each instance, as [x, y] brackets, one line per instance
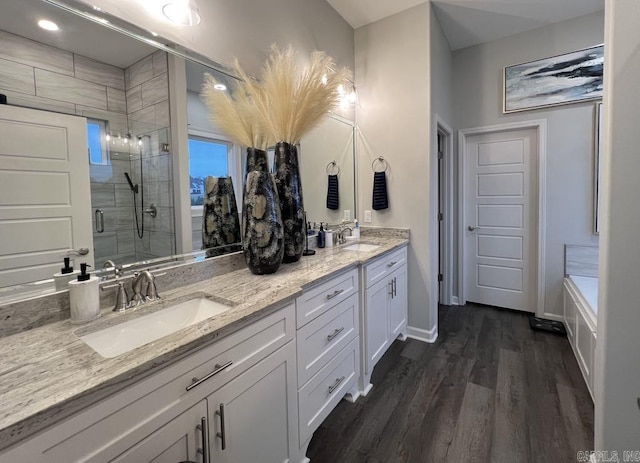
[205, 158]
[94, 136]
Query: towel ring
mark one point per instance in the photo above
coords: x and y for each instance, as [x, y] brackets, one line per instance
[382, 161]
[332, 167]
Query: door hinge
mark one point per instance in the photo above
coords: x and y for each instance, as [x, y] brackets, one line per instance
[440, 277]
[440, 155]
[440, 216]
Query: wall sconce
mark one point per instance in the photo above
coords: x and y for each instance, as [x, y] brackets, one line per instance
[182, 12]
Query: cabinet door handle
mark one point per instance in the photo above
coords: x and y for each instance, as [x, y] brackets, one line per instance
[335, 333]
[337, 292]
[205, 436]
[392, 263]
[222, 435]
[335, 385]
[391, 288]
[219, 368]
[395, 287]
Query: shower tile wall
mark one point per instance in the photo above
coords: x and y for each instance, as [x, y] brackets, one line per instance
[134, 100]
[147, 98]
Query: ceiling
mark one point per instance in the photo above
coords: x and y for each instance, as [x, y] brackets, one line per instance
[470, 22]
[76, 34]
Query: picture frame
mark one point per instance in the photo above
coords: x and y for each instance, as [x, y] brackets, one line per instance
[597, 174]
[558, 80]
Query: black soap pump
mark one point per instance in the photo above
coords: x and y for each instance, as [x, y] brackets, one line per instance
[65, 275]
[321, 237]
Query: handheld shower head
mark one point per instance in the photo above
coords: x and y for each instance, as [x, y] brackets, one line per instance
[133, 187]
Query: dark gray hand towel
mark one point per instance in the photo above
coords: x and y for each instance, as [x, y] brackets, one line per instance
[380, 198]
[333, 198]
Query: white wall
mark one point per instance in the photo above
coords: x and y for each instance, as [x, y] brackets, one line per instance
[617, 383]
[246, 28]
[570, 143]
[392, 76]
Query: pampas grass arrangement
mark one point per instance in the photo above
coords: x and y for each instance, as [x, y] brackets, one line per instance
[291, 101]
[236, 116]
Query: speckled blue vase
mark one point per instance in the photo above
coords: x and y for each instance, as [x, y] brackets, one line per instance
[262, 229]
[287, 173]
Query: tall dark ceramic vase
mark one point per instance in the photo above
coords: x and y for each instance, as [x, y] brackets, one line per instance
[287, 172]
[262, 230]
[220, 222]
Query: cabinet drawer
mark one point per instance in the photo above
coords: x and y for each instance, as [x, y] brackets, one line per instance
[315, 301]
[104, 430]
[380, 268]
[321, 339]
[325, 390]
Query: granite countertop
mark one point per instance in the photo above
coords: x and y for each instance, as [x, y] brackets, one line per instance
[48, 373]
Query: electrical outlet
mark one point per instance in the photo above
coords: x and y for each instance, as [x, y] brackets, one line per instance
[367, 216]
[347, 215]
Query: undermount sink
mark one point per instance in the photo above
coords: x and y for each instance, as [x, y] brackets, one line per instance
[361, 247]
[124, 337]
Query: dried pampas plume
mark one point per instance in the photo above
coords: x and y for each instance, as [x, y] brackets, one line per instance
[235, 116]
[290, 101]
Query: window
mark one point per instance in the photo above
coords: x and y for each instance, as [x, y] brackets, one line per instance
[207, 157]
[96, 139]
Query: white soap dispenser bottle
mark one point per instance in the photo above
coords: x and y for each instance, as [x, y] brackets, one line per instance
[65, 275]
[84, 297]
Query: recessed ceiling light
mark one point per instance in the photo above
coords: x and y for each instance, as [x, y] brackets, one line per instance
[183, 12]
[221, 87]
[154, 34]
[48, 25]
[97, 8]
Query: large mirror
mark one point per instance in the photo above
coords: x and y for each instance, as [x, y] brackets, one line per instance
[120, 201]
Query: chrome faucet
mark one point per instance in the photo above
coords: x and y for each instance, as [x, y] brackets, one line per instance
[123, 302]
[144, 288]
[341, 238]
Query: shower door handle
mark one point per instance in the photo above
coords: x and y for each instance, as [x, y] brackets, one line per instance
[99, 221]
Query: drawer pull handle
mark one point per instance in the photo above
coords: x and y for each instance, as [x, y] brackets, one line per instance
[205, 433]
[222, 435]
[392, 263]
[197, 382]
[335, 385]
[337, 292]
[335, 333]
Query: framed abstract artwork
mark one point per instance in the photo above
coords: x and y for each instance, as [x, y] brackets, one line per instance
[562, 79]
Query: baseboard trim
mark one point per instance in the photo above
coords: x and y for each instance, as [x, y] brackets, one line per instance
[419, 334]
[455, 300]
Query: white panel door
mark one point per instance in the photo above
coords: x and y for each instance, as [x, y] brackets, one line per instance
[45, 208]
[500, 229]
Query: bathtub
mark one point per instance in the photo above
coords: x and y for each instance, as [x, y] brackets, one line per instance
[580, 319]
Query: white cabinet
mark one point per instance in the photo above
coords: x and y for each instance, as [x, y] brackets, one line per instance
[376, 331]
[180, 440]
[581, 331]
[385, 309]
[253, 417]
[398, 301]
[328, 350]
[127, 420]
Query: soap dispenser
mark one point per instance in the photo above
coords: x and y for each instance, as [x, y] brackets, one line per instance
[356, 230]
[84, 297]
[65, 275]
[321, 237]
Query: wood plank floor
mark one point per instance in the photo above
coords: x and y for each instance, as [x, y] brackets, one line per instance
[489, 390]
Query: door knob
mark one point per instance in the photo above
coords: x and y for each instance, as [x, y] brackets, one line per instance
[470, 228]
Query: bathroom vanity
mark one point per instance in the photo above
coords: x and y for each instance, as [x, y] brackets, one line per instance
[250, 384]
